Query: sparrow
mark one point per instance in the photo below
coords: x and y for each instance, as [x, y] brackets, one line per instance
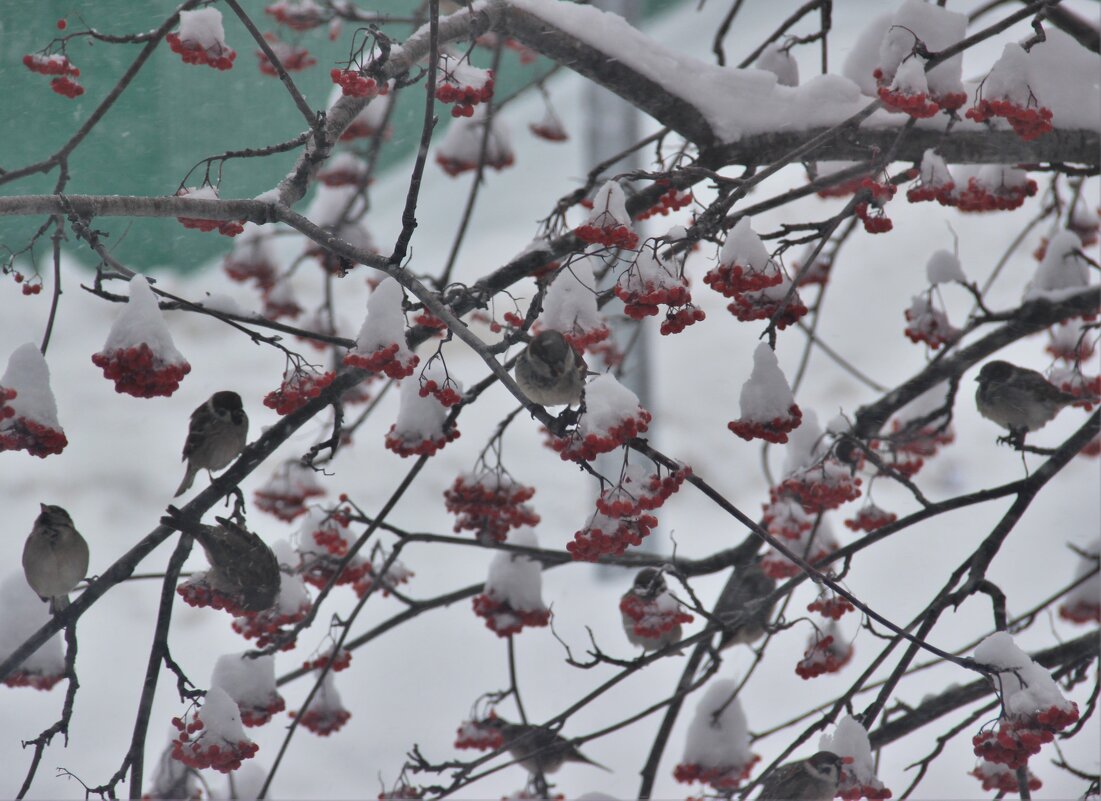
[242, 564]
[748, 584]
[1017, 398]
[549, 371]
[217, 434]
[812, 779]
[537, 749]
[55, 557]
[648, 586]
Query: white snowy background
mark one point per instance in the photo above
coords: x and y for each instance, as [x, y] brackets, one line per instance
[417, 683]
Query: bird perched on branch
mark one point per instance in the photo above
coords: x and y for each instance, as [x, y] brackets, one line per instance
[813, 779]
[1017, 398]
[217, 434]
[55, 557]
[742, 622]
[537, 749]
[242, 564]
[549, 371]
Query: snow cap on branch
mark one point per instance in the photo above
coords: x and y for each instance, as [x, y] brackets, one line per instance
[381, 345]
[937, 28]
[768, 408]
[569, 305]
[1026, 687]
[780, 63]
[513, 596]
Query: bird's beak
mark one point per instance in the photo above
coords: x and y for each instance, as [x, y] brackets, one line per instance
[42, 506]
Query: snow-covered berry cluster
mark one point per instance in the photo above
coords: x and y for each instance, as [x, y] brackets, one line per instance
[59, 66]
[639, 491]
[201, 39]
[744, 264]
[934, 181]
[717, 748]
[298, 15]
[569, 305]
[481, 735]
[825, 485]
[604, 535]
[768, 408]
[612, 417]
[871, 212]
[830, 605]
[513, 595]
[926, 323]
[213, 736]
[1070, 343]
[909, 91]
[292, 57]
[291, 607]
[286, 492]
[229, 228]
[1002, 778]
[396, 573]
[422, 427]
[250, 683]
[784, 517]
[326, 713]
[995, 188]
[812, 544]
[549, 128]
[1006, 93]
[1071, 380]
[870, 517]
[849, 740]
[252, 259]
[301, 384]
[489, 503]
[28, 412]
[461, 147]
[826, 653]
[352, 83]
[341, 661]
[771, 303]
[608, 223]
[463, 84]
[1028, 123]
[343, 169]
[1083, 603]
[651, 280]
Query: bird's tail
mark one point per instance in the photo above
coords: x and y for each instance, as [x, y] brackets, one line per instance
[579, 757]
[188, 479]
[58, 604]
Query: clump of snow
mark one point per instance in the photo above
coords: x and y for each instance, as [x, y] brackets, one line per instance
[780, 63]
[248, 682]
[384, 324]
[944, 267]
[29, 375]
[910, 77]
[569, 305]
[1009, 77]
[1073, 103]
[332, 204]
[607, 404]
[514, 578]
[1025, 686]
[718, 736]
[1062, 272]
[806, 445]
[142, 322]
[610, 200]
[863, 58]
[203, 27]
[24, 614]
[421, 424]
[937, 28]
[461, 146]
[1083, 603]
[767, 394]
[850, 739]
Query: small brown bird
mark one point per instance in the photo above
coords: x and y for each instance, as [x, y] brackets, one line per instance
[812, 779]
[748, 585]
[55, 557]
[1017, 398]
[217, 434]
[242, 565]
[649, 585]
[537, 749]
[549, 370]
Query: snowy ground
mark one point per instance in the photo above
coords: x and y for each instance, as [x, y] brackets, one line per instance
[415, 684]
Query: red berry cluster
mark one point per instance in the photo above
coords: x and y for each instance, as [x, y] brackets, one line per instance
[287, 503]
[341, 176]
[353, 84]
[479, 734]
[581, 340]
[29, 678]
[944, 193]
[297, 391]
[197, 591]
[995, 777]
[278, 305]
[32, 287]
[605, 535]
[549, 129]
[342, 660]
[1014, 740]
[396, 574]
[219, 56]
[646, 496]
[23, 434]
[258, 715]
[224, 227]
[775, 430]
[673, 200]
[331, 534]
[137, 371]
[929, 325]
[319, 569]
[823, 656]
[1070, 349]
[489, 506]
[497, 158]
[416, 445]
[466, 97]
[1087, 390]
[977, 197]
[383, 360]
[721, 778]
[324, 722]
[784, 517]
[854, 790]
[524, 53]
[778, 566]
[819, 487]
[1081, 611]
[294, 59]
[5, 396]
[243, 270]
[919, 106]
[609, 233]
[577, 446]
[676, 320]
[59, 66]
[841, 189]
[651, 618]
[1028, 123]
[297, 17]
[445, 395]
[730, 280]
[224, 757]
[642, 303]
[831, 606]
[870, 518]
[502, 619]
[749, 306]
[271, 626]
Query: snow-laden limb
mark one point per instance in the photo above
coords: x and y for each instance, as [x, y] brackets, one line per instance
[569, 305]
[213, 736]
[513, 596]
[369, 120]
[139, 355]
[717, 748]
[381, 344]
[858, 779]
[768, 408]
[1083, 603]
[250, 682]
[23, 614]
[325, 713]
[29, 419]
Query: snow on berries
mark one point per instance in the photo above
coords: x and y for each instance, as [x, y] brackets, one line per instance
[325, 713]
[1083, 603]
[1072, 381]
[139, 355]
[252, 258]
[481, 735]
[513, 594]
[640, 490]
[768, 408]
[386, 577]
[422, 427]
[343, 169]
[926, 323]
[849, 740]
[250, 682]
[909, 91]
[286, 492]
[1002, 778]
[653, 621]
[1063, 271]
[814, 478]
[995, 187]
[812, 544]
[1006, 93]
[298, 15]
[744, 264]
[24, 614]
[1070, 342]
[934, 181]
[301, 384]
[607, 535]
[28, 416]
[650, 280]
[323, 541]
[608, 223]
[937, 28]
[201, 39]
[549, 128]
[213, 736]
[335, 659]
[460, 82]
[1033, 707]
[281, 301]
[826, 652]
[207, 192]
[569, 305]
[716, 751]
[59, 66]
[766, 304]
[381, 346]
[784, 517]
[489, 503]
[944, 267]
[612, 417]
[870, 517]
[291, 56]
[461, 146]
